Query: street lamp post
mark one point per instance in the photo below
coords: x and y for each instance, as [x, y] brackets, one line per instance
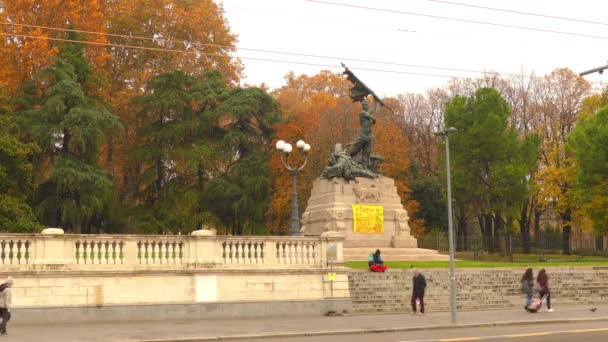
[285, 150]
[445, 134]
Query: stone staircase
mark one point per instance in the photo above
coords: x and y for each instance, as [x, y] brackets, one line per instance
[477, 288]
[395, 254]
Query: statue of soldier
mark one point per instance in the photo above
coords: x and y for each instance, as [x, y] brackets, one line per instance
[342, 165]
[363, 141]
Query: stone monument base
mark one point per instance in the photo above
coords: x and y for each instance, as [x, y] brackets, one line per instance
[330, 208]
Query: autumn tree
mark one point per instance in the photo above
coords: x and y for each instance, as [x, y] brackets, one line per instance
[200, 38]
[587, 142]
[318, 109]
[23, 57]
[559, 99]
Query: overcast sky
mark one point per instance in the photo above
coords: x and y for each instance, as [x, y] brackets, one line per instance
[313, 28]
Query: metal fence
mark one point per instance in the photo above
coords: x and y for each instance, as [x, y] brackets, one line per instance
[543, 245]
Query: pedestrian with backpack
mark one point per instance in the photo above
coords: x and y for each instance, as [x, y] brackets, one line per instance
[5, 304]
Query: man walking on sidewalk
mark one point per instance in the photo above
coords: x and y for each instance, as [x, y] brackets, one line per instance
[419, 285]
[5, 304]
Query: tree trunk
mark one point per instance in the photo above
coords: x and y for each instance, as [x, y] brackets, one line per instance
[463, 229]
[65, 148]
[566, 230]
[524, 227]
[537, 215]
[489, 238]
[159, 178]
[499, 228]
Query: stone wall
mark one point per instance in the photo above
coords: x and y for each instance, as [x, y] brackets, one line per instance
[477, 288]
[109, 277]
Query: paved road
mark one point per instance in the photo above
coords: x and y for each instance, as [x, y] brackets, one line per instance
[567, 332]
[218, 329]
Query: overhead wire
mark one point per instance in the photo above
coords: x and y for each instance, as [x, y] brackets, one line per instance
[519, 12]
[338, 58]
[197, 52]
[224, 56]
[458, 19]
[243, 48]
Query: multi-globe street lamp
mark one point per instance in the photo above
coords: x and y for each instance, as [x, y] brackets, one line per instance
[285, 150]
[444, 133]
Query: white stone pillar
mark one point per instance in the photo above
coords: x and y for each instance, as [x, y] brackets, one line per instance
[204, 249]
[53, 250]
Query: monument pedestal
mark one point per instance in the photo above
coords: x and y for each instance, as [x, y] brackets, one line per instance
[330, 209]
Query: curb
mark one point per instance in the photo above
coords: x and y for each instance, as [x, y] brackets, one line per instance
[371, 331]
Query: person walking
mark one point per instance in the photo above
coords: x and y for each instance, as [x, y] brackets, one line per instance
[375, 262]
[5, 304]
[527, 286]
[418, 287]
[543, 287]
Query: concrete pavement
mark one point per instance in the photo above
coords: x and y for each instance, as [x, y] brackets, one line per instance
[260, 328]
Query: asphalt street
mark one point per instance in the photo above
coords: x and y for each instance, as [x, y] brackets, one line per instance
[566, 332]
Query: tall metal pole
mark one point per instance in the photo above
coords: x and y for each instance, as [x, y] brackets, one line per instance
[295, 221]
[450, 231]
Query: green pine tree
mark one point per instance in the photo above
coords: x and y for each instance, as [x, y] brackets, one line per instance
[68, 124]
[16, 216]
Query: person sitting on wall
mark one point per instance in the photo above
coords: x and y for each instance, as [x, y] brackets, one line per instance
[375, 262]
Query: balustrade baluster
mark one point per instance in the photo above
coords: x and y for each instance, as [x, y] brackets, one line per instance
[10, 251]
[239, 254]
[77, 251]
[249, 257]
[181, 255]
[281, 252]
[258, 253]
[146, 252]
[173, 252]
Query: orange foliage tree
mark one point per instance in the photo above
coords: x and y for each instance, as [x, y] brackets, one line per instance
[318, 110]
[197, 28]
[22, 57]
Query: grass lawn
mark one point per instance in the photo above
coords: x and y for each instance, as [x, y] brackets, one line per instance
[464, 263]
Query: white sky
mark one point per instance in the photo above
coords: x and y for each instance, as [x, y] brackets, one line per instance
[313, 28]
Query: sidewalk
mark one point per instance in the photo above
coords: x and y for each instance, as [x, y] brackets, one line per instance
[287, 326]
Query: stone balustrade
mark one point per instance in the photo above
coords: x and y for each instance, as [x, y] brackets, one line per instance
[58, 251]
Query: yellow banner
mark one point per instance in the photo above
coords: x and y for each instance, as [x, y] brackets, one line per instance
[368, 219]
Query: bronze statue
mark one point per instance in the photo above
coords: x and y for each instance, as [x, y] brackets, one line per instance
[342, 165]
[363, 141]
[350, 165]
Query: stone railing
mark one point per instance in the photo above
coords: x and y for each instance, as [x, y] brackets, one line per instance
[56, 251]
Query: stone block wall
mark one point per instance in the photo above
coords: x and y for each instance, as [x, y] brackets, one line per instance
[477, 288]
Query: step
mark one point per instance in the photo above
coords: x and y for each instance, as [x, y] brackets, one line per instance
[395, 254]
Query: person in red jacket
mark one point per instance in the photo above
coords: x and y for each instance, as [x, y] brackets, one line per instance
[375, 262]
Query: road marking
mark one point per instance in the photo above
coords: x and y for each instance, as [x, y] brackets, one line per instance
[532, 334]
[494, 337]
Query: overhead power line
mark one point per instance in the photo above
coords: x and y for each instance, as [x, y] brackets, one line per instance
[337, 58]
[519, 12]
[243, 48]
[459, 19]
[219, 55]
[197, 52]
